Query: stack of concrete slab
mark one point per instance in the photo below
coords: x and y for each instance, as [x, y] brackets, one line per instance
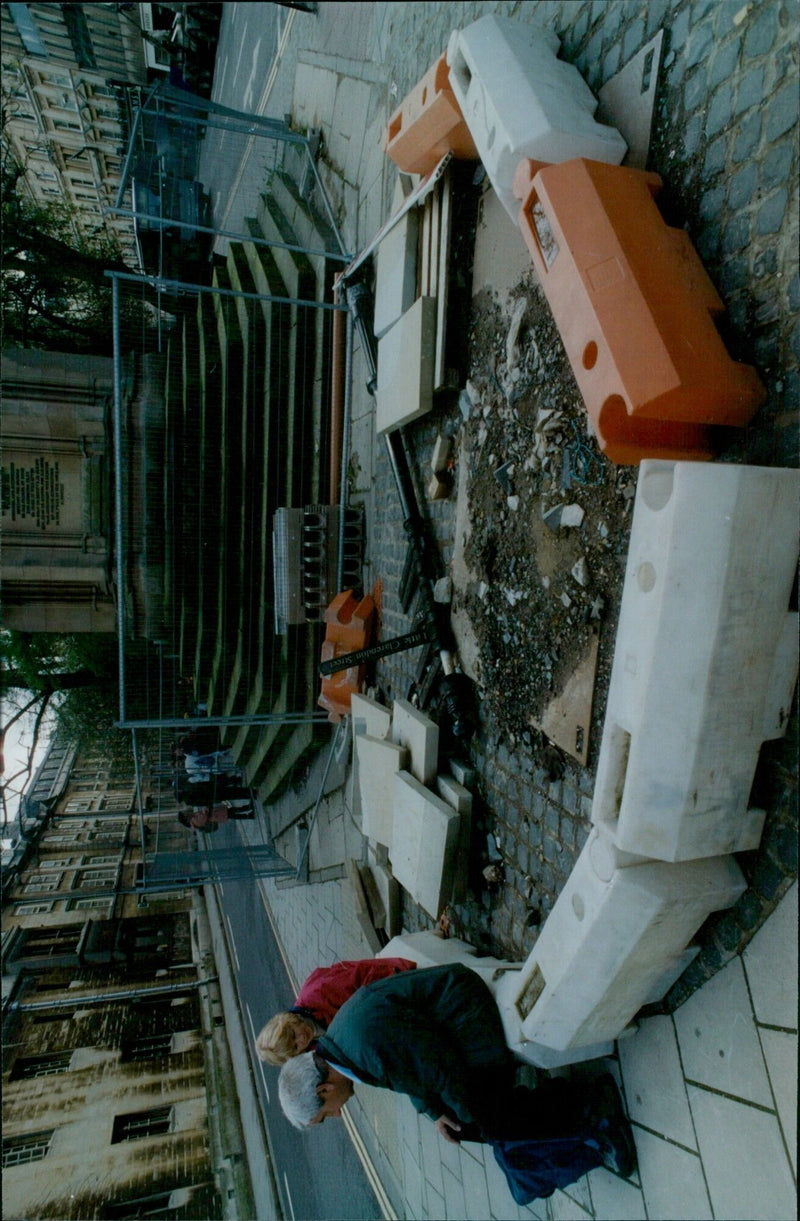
[410, 307]
[416, 820]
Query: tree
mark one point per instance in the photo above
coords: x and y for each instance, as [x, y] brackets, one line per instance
[54, 289]
[56, 293]
[74, 677]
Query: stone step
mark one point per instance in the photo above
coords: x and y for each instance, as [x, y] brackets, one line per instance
[313, 231]
[308, 328]
[209, 364]
[182, 540]
[262, 422]
[229, 577]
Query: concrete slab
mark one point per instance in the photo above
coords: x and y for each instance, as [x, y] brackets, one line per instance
[370, 717]
[424, 843]
[396, 277]
[314, 95]
[378, 762]
[388, 889]
[501, 257]
[460, 798]
[416, 731]
[405, 367]
[628, 99]
[567, 718]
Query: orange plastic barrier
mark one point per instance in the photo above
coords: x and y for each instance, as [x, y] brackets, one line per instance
[635, 309]
[428, 124]
[351, 625]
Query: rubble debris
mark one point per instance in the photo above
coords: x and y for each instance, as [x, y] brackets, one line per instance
[504, 474]
[441, 454]
[572, 516]
[494, 875]
[580, 571]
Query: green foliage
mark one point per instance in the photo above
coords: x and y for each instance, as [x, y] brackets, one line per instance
[55, 291]
[76, 676]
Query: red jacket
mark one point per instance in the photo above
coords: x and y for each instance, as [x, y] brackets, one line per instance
[327, 988]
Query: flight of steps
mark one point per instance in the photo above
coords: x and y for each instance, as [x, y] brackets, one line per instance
[261, 415]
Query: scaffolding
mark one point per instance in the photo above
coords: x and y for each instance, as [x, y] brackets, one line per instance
[222, 368]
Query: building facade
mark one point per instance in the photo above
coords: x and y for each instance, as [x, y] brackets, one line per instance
[56, 492]
[115, 1055]
[71, 74]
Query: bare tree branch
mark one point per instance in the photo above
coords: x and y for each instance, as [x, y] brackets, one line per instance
[21, 712]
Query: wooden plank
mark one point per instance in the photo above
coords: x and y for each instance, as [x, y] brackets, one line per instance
[434, 248]
[374, 899]
[362, 908]
[425, 253]
[445, 215]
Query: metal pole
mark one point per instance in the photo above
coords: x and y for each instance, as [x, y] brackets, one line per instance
[264, 718]
[73, 1002]
[327, 203]
[118, 492]
[334, 744]
[162, 285]
[348, 399]
[163, 222]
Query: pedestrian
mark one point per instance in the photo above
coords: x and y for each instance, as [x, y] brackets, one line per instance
[207, 792]
[322, 995]
[210, 818]
[204, 766]
[436, 1035]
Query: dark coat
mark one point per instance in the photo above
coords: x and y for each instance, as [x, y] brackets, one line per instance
[434, 1034]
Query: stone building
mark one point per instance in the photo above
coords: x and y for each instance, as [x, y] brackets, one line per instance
[56, 512]
[59, 559]
[116, 1065]
[70, 75]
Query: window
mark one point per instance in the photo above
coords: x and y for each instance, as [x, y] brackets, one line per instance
[40, 1066]
[18, 1150]
[40, 881]
[95, 861]
[158, 1205]
[32, 909]
[78, 805]
[121, 802]
[138, 1124]
[85, 905]
[50, 942]
[63, 863]
[92, 879]
[147, 1047]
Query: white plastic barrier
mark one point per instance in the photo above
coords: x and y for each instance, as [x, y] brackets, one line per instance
[428, 949]
[519, 100]
[614, 941]
[705, 660]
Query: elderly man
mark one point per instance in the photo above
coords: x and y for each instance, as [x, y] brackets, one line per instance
[436, 1035]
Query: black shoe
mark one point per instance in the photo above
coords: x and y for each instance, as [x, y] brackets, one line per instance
[612, 1131]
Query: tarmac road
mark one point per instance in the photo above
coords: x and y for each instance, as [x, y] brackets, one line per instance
[319, 1174]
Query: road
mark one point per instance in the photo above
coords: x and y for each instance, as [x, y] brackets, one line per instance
[319, 1174]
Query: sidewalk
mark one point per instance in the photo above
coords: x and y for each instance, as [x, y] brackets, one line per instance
[711, 1092]
[711, 1089]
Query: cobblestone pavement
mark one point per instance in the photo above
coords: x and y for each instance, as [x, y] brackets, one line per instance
[725, 143]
